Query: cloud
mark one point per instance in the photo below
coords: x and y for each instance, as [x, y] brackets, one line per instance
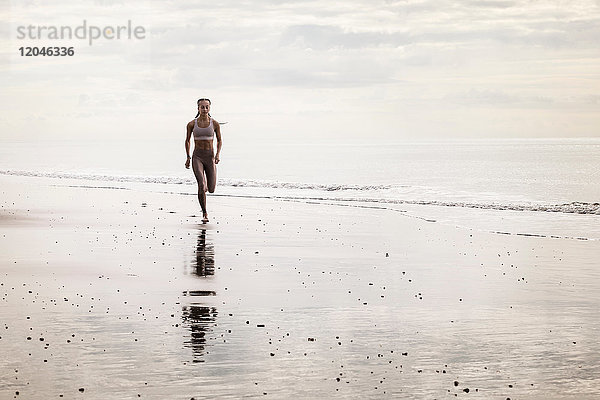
[491, 4]
[324, 37]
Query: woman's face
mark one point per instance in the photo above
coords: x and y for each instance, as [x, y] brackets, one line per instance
[204, 107]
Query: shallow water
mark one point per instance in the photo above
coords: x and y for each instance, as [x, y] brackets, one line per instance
[519, 187]
[546, 171]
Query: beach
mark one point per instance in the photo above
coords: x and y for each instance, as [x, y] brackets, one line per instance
[116, 290]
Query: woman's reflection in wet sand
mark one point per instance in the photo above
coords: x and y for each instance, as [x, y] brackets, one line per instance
[197, 317]
[200, 321]
[204, 264]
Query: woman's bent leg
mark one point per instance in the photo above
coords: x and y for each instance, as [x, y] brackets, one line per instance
[210, 170]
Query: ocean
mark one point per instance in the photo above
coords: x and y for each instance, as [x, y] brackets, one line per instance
[546, 187]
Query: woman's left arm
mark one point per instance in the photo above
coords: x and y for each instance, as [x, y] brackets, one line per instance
[219, 140]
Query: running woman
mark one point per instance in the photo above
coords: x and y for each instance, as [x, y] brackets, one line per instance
[203, 160]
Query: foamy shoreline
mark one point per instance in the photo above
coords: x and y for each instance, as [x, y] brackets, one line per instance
[123, 293]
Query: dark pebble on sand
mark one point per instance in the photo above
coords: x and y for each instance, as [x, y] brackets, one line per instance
[466, 390]
[81, 390]
[455, 383]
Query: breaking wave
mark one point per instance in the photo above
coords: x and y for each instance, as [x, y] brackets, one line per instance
[377, 194]
[190, 181]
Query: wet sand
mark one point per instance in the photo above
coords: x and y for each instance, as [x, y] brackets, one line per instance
[118, 291]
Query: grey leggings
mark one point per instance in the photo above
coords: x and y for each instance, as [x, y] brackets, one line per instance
[205, 170]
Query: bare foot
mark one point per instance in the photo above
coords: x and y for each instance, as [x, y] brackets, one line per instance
[205, 218]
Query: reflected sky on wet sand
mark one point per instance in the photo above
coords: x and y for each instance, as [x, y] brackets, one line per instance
[304, 300]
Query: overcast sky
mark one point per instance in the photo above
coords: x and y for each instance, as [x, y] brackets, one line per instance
[361, 69]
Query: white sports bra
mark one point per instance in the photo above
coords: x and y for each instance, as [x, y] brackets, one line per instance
[207, 133]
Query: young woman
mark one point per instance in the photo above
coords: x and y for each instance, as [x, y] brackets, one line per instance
[203, 160]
